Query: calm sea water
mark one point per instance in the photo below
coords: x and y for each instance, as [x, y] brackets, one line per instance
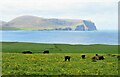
[66, 37]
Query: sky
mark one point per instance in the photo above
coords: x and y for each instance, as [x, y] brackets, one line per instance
[104, 13]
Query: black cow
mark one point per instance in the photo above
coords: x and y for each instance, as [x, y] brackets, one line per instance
[27, 52]
[97, 57]
[101, 58]
[67, 58]
[46, 51]
[83, 56]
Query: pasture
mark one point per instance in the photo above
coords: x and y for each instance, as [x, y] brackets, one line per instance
[54, 64]
[14, 62]
[18, 47]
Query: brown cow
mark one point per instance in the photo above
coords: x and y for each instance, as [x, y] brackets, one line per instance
[95, 57]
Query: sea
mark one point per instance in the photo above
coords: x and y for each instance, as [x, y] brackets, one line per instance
[61, 37]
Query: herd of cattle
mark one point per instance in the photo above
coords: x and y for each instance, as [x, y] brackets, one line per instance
[94, 58]
[67, 58]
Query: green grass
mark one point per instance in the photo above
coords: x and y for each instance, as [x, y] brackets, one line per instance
[58, 48]
[16, 63]
[9, 28]
[54, 64]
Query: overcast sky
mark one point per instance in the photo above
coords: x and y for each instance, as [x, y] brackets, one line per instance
[103, 13]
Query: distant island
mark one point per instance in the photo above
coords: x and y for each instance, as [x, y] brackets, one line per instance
[39, 23]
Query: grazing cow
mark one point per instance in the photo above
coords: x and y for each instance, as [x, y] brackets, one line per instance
[83, 56]
[101, 57]
[97, 57]
[67, 58]
[27, 52]
[47, 51]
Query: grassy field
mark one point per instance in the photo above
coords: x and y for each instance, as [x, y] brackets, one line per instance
[16, 63]
[54, 64]
[58, 48]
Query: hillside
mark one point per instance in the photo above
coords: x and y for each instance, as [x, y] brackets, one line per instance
[39, 23]
[2, 23]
